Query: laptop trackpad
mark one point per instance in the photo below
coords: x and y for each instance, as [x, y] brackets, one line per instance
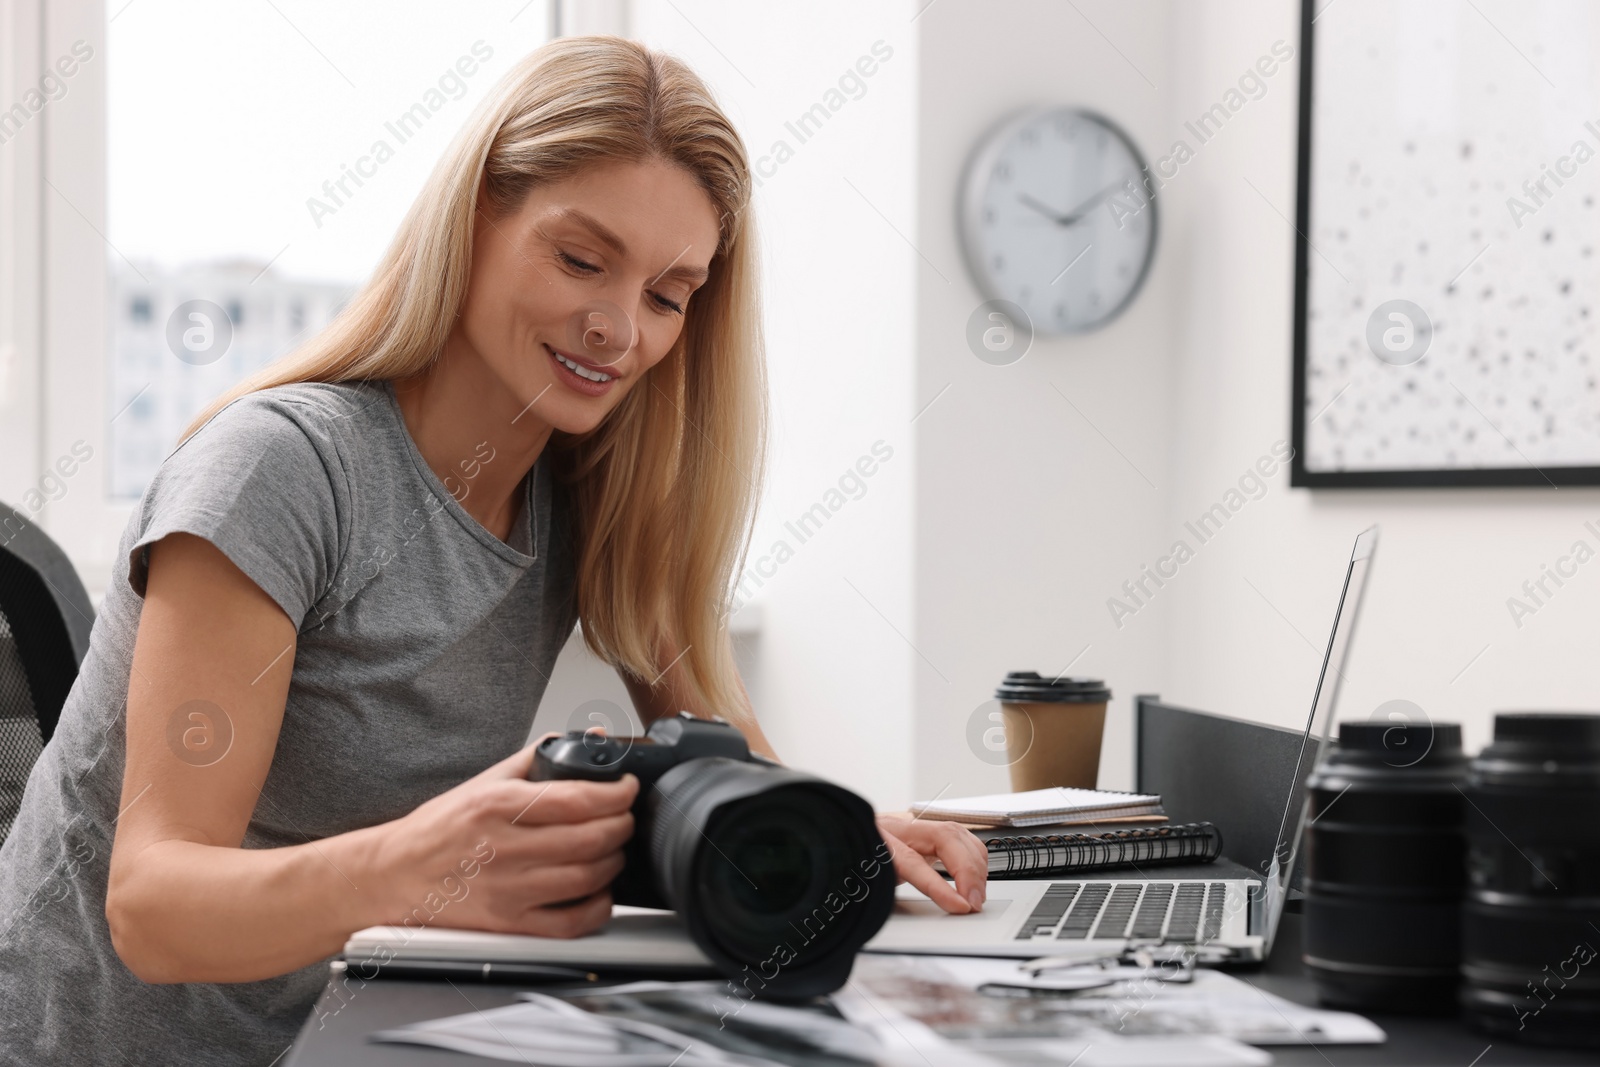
[918, 924]
[927, 909]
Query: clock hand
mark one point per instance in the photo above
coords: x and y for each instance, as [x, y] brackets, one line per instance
[1077, 214]
[1044, 209]
[1084, 208]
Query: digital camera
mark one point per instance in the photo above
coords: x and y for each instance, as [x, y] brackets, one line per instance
[779, 876]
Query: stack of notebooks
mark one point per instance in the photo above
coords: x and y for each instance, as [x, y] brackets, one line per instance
[1070, 831]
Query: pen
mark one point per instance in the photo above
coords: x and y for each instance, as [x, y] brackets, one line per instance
[468, 970]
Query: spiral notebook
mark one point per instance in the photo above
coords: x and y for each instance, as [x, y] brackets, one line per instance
[1059, 854]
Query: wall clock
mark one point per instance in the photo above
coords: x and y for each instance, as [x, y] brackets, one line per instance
[1055, 218]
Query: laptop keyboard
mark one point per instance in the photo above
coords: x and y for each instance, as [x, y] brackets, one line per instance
[1181, 912]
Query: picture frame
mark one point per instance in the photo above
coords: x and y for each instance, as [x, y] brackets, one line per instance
[1415, 147]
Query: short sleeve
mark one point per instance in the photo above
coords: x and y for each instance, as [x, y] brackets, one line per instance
[262, 485]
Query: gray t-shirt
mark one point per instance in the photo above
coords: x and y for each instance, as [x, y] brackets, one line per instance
[424, 646]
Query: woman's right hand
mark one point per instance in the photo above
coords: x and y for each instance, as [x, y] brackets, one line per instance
[504, 854]
[185, 902]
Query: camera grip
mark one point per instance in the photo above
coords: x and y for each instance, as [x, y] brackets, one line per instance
[576, 758]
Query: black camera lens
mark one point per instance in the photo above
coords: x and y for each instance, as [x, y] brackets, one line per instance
[779, 876]
[1384, 868]
[765, 861]
[1530, 936]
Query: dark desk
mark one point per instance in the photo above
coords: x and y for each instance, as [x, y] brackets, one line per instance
[347, 1015]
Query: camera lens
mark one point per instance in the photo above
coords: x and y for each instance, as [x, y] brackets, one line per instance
[1530, 932]
[770, 861]
[770, 865]
[780, 877]
[1385, 868]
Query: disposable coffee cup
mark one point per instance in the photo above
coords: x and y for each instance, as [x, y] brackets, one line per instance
[1053, 729]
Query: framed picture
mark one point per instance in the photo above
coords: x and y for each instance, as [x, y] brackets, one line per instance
[1447, 280]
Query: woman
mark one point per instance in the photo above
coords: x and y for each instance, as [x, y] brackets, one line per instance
[348, 584]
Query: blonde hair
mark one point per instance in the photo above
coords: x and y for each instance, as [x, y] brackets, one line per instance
[664, 490]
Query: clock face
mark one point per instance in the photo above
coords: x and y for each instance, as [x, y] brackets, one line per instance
[1057, 219]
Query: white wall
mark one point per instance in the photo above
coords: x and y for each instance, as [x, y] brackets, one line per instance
[890, 627]
[21, 234]
[1187, 390]
[833, 686]
[1448, 559]
[1192, 387]
[1030, 513]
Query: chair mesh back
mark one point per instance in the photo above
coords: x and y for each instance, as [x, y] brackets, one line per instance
[20, 740]
[45, 620]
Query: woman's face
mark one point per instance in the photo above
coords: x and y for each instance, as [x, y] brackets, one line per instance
[582, 289]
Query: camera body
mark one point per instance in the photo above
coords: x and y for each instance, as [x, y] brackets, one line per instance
[779, 876]
[596, 757]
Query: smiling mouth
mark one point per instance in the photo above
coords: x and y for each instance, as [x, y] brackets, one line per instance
[580, 369]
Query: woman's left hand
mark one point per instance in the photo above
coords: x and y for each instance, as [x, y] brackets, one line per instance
[915, 842]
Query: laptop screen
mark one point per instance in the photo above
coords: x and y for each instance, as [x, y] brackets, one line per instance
[1318, 726]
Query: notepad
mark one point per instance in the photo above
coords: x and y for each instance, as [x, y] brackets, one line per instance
[1040, 807]
[635, 939]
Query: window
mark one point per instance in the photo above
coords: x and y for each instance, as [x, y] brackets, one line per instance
[233, 228]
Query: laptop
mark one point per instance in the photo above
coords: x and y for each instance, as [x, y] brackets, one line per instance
[1226, 914]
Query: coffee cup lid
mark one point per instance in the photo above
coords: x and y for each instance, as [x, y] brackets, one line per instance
[1028, 687]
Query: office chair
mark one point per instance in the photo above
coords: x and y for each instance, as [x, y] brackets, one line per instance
[45, 618]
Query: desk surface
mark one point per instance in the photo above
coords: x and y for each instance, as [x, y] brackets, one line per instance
[347, 1015]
